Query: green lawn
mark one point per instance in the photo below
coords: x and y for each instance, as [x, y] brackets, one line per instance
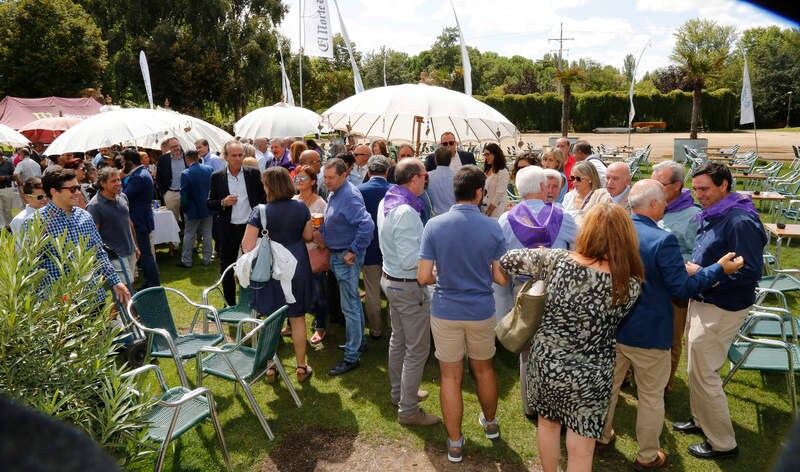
[357, 405]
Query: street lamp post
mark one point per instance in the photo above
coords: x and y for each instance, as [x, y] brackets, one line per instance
[788, 106]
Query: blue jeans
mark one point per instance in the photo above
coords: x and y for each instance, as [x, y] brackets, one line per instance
[347, 277]
[147, 260]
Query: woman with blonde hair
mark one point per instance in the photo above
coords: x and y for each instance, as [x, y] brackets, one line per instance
[587, 191]
[571, 361]
[555, 159]
[295, 150]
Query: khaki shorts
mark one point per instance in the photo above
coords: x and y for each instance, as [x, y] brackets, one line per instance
[130, 268]
[454, 338]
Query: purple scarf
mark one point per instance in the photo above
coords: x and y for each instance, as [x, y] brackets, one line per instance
[684, 201]
[398, 195]
[535, 230]
[722, 207]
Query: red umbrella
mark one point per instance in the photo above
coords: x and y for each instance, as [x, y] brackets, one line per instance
[46, 130]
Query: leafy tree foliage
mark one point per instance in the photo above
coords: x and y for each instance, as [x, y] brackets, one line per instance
[49, 47]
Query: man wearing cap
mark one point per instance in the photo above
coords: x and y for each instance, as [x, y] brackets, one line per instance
[373, 192]
[457, 159]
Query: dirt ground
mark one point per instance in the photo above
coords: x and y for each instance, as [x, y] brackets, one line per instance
[324, 450]
[771, 145]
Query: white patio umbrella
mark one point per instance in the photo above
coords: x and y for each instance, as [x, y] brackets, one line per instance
[388, 112]
[137, 127]
[11, 138]
[278, 121]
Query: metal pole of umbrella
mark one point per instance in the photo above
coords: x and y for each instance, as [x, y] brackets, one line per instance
[418, 121]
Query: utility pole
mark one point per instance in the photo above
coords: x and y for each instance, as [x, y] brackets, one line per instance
[560, 40]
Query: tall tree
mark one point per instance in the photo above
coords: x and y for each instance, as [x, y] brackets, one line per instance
[568, 77]
[701, 48]
[628, 66]
[49, 47]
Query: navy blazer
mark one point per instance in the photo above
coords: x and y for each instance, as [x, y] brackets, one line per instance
[140, 192]
[649, 325]
[466, 158]
[164, 174]
[219, 190]
[195, 185]
[373, 192]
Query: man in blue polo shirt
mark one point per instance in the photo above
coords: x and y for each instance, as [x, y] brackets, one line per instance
[462, 310]
[644, 339]
[347, 229]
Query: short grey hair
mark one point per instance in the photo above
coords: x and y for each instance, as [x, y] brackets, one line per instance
[106, 173]
[553, 174]
[676, 170]
[530, 180]
[645, 191]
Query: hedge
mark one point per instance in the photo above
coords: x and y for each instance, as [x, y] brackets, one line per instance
[589, 110]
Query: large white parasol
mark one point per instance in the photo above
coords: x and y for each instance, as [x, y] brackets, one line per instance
[137, 127]
[278, 121]
[11, 138]
[391, 113]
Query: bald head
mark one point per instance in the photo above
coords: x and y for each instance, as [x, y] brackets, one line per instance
[618, 177]
[647, 198]
[311, 158]
[362, 153]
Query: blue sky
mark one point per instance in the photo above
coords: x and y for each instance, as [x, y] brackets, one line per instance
[603, 30]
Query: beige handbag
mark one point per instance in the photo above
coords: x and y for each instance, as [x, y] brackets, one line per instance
[522, 322]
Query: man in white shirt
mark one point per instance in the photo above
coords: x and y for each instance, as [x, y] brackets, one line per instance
[582, 151]
[34, 197]
[27, 168]
[458, 159]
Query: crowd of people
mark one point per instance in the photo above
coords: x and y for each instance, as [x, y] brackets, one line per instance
[628, 268]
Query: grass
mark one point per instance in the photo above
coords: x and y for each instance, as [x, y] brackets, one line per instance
[358, 404]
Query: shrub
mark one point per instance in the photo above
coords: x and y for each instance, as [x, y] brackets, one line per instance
[57, 354]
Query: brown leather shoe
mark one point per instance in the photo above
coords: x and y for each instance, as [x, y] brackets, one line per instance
[657, 463]
[600, 448]
[419, 418]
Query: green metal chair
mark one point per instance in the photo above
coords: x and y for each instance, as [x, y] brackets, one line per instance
[228, 314]
[176, 411]
[150, 311]
[245, 365]
[765, 355]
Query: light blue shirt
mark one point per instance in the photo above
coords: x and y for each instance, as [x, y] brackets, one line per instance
[440, 188]
[680, 224]
[178, 166]
[347, 224]
[566, 234]
[263, 158]
[399, 235]
[463, 243]
[213, 160]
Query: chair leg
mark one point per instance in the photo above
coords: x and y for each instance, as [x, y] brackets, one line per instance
[256, 408]
[181, 371]
[212, 409]
[285, 377]
[162, 452]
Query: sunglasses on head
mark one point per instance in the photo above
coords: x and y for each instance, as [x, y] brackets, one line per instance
[39, 197]
[576, 178]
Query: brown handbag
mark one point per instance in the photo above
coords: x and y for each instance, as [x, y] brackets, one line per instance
[522, 322]
[320, 259]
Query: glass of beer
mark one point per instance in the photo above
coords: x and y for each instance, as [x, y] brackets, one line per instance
[316, 219]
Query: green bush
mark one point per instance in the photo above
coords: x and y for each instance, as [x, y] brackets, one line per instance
[589, 110]
[57, 354]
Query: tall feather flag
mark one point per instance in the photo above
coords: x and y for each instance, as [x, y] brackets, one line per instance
[747, 113]
[286, 87]
[359, 85]
[465, 64]
[317, 38]
[146, 77]
[632, 111]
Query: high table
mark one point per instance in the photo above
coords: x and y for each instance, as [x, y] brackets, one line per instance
[771, 197]
[167, 229]
[790, 231]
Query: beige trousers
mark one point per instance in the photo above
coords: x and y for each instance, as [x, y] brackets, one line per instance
[709, 334]
[651, 371]
[372, 300]
[172, 200]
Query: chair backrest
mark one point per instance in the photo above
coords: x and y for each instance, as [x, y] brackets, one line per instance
[268, 337]
[244, 298]
[152, 308]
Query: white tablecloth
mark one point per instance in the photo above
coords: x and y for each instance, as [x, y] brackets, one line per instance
[166, 230]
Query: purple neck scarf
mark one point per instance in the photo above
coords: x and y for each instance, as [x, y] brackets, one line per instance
[398, 195]
[722, 207]
[535, 230]
[684, 201]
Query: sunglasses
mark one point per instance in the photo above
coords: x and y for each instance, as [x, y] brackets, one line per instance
[36, 197]
[73, 189]
[448, 143]
[576, 178]
[301, 178]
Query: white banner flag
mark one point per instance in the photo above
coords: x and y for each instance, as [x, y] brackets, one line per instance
[464, 56]
[286, 87]
[632, 112]
[357, 83]
[317, 37]
[747, 114]
[146, 76]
